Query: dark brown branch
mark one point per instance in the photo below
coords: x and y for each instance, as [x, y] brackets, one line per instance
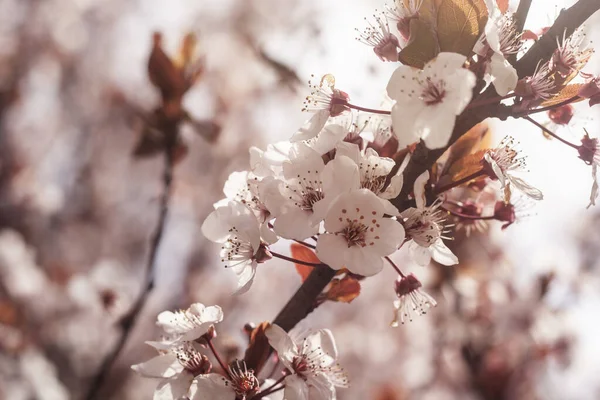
[301, 304]
[568, 20]
[128, 321]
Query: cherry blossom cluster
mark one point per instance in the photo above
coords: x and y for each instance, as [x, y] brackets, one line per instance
[336, 185]
[185, 371]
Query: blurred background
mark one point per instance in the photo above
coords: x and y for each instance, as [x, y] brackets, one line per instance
[515, 320]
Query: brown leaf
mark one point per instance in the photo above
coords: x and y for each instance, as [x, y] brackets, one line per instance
[466, 166]
[422, 45]
[566, 93]
[343, 290]
[467, 144]
[502, 5]
[163, 73]
[459, 25]
[303, 253]
[258, 349]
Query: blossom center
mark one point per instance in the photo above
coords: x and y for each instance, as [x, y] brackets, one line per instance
[236, 250]
[433, 92]
[193, 361]
[355, 233]
[243, 380]
[309, 198]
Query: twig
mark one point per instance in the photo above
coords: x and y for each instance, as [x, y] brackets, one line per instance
[128, 321]
[568, 20]
[295, 261]
[549, 132]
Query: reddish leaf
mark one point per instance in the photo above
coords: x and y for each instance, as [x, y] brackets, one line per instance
[466, 166]
[467, 144]
[303, 253]
[259, 349]
[502, 5]
[343, 290]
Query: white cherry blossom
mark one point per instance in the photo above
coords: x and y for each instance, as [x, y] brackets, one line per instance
[411, 299]
[244, 240]
[377, 35]
[503, 161]
[313, 363]
[325, 101]
[357, 234]
[245, 188]
[427, 101]
[425, 229]
[500, 40]
[182, 370]
[189, 324]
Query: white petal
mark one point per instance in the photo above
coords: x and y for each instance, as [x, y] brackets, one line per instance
[404, 117]
[363, 262]
[321, 341]
[174, 389]
[329, 137]
[349, 150]
[236, 181]
[283, 344]
[419, 189]
[435, 125]
[394, 188]
[211, 387]
[321, 388]
[421, 255]
[295, 223]
[330, 250]
[340, 175]
[442, 254]
[595, 188]
[459, 90]
[526, 188]
[312, 127]
[162, 366]
[245, 276]
[504, 75]
[401, 82]
[295, 388]
[391, 235]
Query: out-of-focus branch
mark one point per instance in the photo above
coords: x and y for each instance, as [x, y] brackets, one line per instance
[568, 20]
[128, 321]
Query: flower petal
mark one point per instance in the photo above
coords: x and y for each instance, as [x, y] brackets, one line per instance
[442, 254]
[211, 387]
[504, 75]
[283, 344]
[361, 261]
[174, 389]
[295, 388]
[162, 366]
[330, 250]
[312, 127]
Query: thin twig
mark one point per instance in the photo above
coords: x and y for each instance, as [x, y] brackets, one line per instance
[549, 132]
[295, 261]
[128, 321]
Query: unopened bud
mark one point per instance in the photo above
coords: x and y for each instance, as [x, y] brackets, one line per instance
[505, 212]
[407, 284]
[561, 115]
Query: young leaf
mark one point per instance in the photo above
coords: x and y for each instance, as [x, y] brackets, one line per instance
[422, 45]
[502, 5]
[258, 349]
[566, 93]
[343, 290]
[459, 25]
[303, 253]
[466, 166]
[467, 144]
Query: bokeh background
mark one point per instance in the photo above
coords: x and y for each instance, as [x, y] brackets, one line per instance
[516, 320]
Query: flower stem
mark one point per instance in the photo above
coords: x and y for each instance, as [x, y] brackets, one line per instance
[549, 132]
[552, 107]
[295, 261]
[369, 110]
[270, 389]
[393, 264]
[312, 246]
[218, 357]
[459, 182]
[466, 216]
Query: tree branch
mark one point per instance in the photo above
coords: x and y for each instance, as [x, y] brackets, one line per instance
[128, 321]
[568, 20]
[301, 304]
